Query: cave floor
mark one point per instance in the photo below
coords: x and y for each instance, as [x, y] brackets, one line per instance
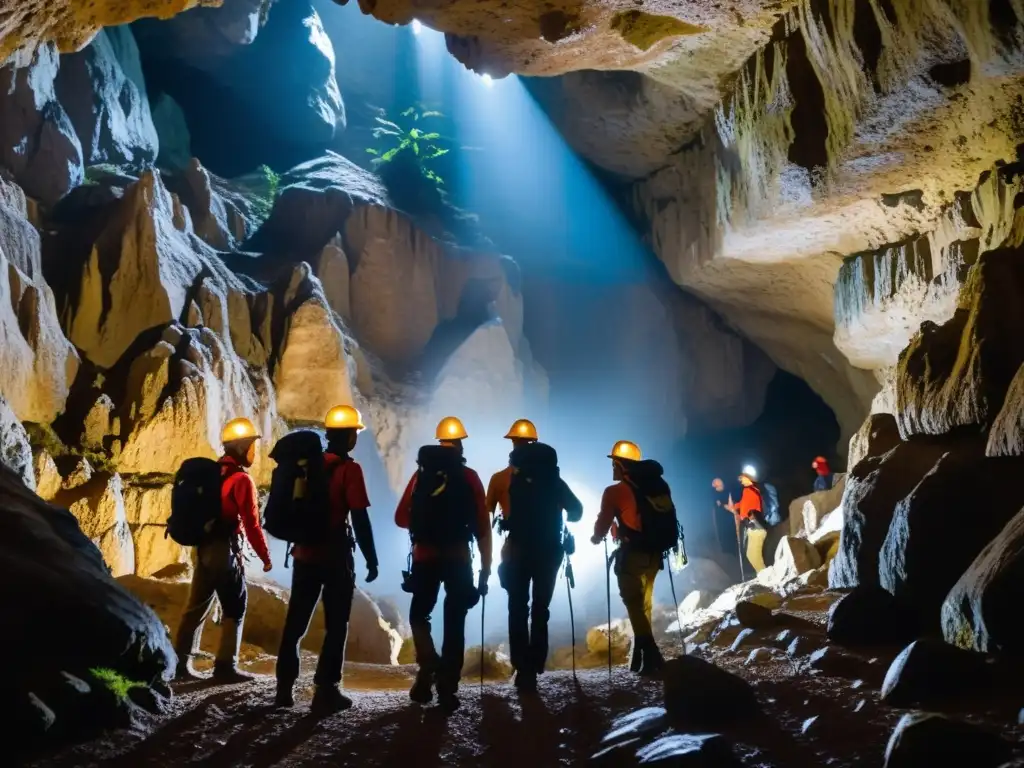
[810, 718]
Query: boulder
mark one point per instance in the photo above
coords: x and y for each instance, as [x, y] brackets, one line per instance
[315, 368]
[103, 91]
[701, 693]
[47, 477]
[98, 506]
[222, 215]
[835, 662]
[621, 640]
[957, 374]
[933, 674]
[19, 240]
[807, 512]
[236, 120]
[925, 738]
[624, 734]
[752, 615]
[869, 615]
[37, 140]
[370, 639]
[496, 664]
[873, 489]
[15, 451]
[695, 601]
[316, 199]
[981, 611]
[793, 556]
[58, 583]
[147, 508]
[943, 524]
[1006, 437]
[877, 436]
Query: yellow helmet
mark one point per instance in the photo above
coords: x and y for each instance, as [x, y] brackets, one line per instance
[450, 428]
[344, 417]
[522, 428]
[238, 429]
[626, 450]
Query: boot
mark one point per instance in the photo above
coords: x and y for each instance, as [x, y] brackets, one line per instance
[652, 660]
[448, 701]
[225, 669]
[329, 700]
[285, 697]
[422, 691]
[184, 672]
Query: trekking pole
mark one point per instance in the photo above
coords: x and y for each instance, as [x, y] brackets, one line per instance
[483, 611]
[608, 596]
[570, 582]
[739, 549]
[675, 601]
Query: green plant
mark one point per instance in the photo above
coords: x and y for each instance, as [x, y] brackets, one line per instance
[115, 682]
[263, 199]
[396, 139]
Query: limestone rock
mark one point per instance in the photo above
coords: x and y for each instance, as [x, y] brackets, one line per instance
[223, 215]
[15, 451]
[39, 362]
[873, 489]
[496, 664]
[752, 615]
[878, 435]
[53, 564]
[922, 738]
[19, 240]
[332, 270]
[1006, 437]
[292, 111]
[394, 286]
[981, 611]
[39, 143]
[47, 476]
[807, 512]
[98, 506]
[930, 543]
[700, 692]
[930, 673]
[315, 368]
[147, 508]
[958, 374]
[103, 91]
[793, 556]
[150, 266]
[621, 639]
[101, 422]
[316, 200]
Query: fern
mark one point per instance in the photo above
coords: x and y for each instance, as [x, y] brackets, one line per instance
[395, 138]
[263, 200]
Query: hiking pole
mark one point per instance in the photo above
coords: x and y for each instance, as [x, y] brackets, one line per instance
[483, 611]
[608, 596]
[739, 549]
[570, 583]
[675, 601]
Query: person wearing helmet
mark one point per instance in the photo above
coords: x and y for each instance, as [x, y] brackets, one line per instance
[823, 479]
[749, 511]
[327, 570]
[219, 570]
[532, 553]
[635, 570]
[444, 508]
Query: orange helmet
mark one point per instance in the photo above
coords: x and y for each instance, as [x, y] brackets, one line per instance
[522, 428]
[450, 428]
[239, 429]
[626, 450]
[344, 417]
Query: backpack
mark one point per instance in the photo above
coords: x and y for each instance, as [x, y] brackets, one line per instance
[535, 497]
[298, 508]
[771, 511]
[196, 513]
[443, 513]
[659, 525]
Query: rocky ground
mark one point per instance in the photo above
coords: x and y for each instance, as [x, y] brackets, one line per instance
[816, 704]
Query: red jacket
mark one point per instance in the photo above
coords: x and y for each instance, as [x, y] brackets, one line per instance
[423, 552]
[239, 507]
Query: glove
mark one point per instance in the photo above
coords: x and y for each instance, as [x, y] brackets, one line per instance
[595, 539]
[481, 586]
[268, 566]
[371, 573]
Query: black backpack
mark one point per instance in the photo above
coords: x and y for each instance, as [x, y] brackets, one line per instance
[443, 512]
[659, 525]
[298, 508]
[771, 511]
[196, 514]
[535, 497]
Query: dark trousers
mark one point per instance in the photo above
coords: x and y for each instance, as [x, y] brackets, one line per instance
[334, 580]
[218, 573]
[427, 578]
[528, 625]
